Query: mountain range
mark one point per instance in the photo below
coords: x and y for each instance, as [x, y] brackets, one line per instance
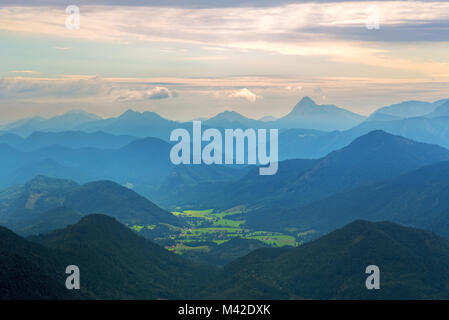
[68, 139]
[25, 208]
[308, 131]
[413, 265]
[67, 121]
[115, 263]
[419, 198]
[142, 162]
[368, 159]
[308, 115]
[406, 109]
[94, 192]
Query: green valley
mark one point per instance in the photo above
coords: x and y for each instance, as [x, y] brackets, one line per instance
[209, 228]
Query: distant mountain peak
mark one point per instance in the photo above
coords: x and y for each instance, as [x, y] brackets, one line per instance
[377, 133]
[229, 115]
[307, 100]
[304, 103]
[308, 107]
[129, 113]
[81, 112]
[76, 114]
[327, 117]
[229, 118]
[136, 115]
[377, 138]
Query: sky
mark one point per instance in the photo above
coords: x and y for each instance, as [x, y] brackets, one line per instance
[195, 58]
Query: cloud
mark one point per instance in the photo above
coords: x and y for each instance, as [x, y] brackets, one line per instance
[189, 4]
[294, 88]
[333, 30]
[244, 94]
[127, 95]
[27, 88]
[158, 93]
[22, 96]
[221, 27]
[25, 71]
[63, 48]
[124, 94]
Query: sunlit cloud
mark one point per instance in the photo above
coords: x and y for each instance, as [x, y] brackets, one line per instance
[158, 93]
[244, 94]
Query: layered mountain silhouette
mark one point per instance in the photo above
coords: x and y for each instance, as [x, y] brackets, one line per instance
[231, 119]
[308, 115]
[67, 121]
[419, 198]
[413, 264]
[303, 132]
[441, 111]
[115, 263]
[142, 162]
[427, 129]
[406, 109]
[75, 183]
[25, 207]
[305, 115]
[371, 158]
[140, 124]
[68, 139]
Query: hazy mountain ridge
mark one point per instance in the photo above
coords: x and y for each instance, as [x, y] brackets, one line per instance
[406, 109]
[413, 119]
[360, 173]
[24, 208]
[68, 139]
[418, 198]
[67, 121]
[145, 161]
[308, 115]
[370, 158]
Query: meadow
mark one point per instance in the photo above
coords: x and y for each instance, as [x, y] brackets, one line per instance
[209, 227]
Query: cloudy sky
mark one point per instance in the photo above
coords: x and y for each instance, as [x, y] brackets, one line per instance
[194, 58]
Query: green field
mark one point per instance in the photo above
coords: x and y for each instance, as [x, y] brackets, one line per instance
[207, 226]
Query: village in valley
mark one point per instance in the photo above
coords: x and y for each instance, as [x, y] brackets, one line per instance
[208, 227]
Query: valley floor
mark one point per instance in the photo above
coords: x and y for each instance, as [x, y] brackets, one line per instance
[208, 228]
